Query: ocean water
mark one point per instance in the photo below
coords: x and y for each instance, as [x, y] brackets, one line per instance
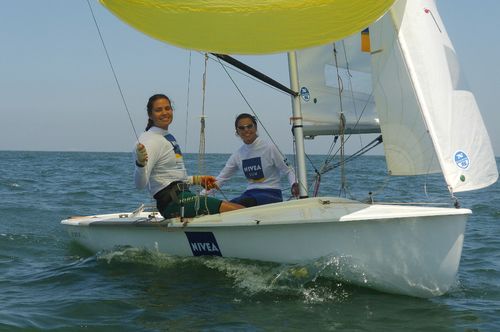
[49, 283]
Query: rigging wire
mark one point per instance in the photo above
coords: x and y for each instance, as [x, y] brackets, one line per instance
[328, 166]
[355, 155]
[113, 70]
[348, 69]
[252, 110]
[325, 166]
[285, 159]
[329, 159]
[330, 155]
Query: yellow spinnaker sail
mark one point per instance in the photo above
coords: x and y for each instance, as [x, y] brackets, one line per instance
[248, 26]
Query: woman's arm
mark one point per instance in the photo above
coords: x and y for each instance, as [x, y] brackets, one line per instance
[152, 149]
[228, 171]
[284, 169]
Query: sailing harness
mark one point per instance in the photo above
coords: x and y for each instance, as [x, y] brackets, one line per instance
[170, 194]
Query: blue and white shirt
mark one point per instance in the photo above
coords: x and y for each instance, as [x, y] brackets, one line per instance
[261, 163]
[165, 162]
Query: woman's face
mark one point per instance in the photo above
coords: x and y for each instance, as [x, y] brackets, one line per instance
[162, 113]
[246, 130]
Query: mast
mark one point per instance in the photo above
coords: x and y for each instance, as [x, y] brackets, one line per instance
[297, 127]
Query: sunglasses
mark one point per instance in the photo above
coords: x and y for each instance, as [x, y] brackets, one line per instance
[249, 126]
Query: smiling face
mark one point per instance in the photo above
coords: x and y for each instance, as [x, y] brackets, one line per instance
[161, 113]
[247, 130]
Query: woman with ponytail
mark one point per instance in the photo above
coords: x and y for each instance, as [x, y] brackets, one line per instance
[160, 167]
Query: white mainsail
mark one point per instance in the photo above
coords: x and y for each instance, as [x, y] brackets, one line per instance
[429, 124]
[408, 146]
[448, 119]
[322, 72]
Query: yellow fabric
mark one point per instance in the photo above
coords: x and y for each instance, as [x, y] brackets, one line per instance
[248, 26]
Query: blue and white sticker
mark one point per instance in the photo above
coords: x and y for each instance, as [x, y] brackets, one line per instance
[462, 160]
[203, 244]
[304, 93]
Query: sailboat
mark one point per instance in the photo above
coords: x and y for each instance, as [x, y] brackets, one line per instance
[407, 83]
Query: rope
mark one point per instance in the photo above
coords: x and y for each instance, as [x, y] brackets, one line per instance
[187, 102]
[201, 149]
[330, 155]
[113, 70]
[341, 125]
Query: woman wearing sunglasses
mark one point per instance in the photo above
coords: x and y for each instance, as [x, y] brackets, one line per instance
[261, 163]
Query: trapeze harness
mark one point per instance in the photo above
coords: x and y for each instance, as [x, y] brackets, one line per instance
[171, 192]
[176, 200]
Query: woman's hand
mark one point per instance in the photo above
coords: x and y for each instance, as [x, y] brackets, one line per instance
[295, 190]
[142, 155]
[206, 181]
[209, 182]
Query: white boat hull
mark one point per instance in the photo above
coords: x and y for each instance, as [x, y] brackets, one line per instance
[398, 249]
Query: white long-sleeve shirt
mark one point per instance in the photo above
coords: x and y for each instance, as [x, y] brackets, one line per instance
[165, 163]
[261, 163]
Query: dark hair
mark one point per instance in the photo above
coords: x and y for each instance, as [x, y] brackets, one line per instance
[244, 116]
[149, 107]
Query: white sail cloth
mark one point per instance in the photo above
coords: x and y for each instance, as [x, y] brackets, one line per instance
[428, 119]
[429, 123]
[323, 72]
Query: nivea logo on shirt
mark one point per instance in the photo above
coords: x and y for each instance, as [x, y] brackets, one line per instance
[253, 168]
[177, 148]
[203, 244]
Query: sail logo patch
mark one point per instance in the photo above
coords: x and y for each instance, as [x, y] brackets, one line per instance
[462, 160]
[253, 169]
[304, 93]
[203, 244]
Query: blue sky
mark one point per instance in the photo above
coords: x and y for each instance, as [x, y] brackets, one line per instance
[57, 92]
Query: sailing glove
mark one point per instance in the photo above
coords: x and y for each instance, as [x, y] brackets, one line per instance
[141, 155]
[206, 181]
